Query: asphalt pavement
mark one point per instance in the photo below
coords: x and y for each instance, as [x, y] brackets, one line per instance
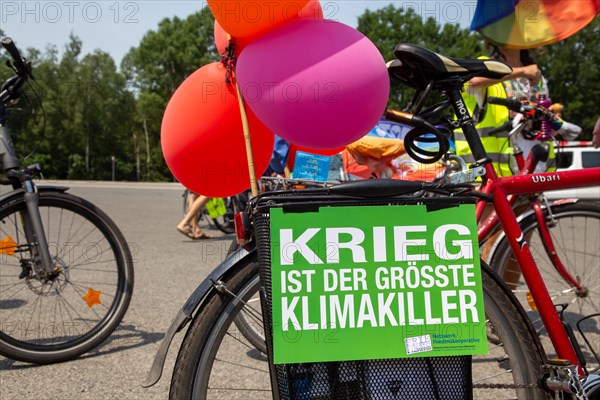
[168, 267]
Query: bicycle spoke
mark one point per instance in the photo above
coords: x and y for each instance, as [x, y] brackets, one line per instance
[17, 310]
[241, 365]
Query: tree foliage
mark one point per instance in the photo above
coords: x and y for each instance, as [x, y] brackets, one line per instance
[572, 68]
[155, 68]
[78, 115]
[390, 26]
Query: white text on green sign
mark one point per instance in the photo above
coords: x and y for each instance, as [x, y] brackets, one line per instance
[393, 273]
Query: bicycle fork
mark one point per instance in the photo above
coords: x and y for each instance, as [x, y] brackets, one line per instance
[32, 224]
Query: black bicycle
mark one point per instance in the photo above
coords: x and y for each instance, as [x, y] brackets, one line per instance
[66, 272]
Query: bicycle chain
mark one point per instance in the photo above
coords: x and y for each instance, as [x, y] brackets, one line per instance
[505, 386]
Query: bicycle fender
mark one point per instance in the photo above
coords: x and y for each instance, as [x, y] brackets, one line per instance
[520, 218]
[193, 303]
[13, 194]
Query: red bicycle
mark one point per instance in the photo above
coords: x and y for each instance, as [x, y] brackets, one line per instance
[564, 237]
[425, 71]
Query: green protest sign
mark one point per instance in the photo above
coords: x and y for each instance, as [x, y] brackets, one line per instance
[371, 282]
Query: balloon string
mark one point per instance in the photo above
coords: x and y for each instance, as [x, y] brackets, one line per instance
[249, 154]
[229, 60]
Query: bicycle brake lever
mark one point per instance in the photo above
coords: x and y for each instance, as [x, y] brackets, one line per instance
[35, 170]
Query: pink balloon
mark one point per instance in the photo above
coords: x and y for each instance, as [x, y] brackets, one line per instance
[325, 84]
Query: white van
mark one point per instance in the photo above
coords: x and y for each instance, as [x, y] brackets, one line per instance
[576, 155]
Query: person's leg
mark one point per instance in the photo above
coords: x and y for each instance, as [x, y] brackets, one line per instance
[196, 208]
[190, 217]
[191, 227]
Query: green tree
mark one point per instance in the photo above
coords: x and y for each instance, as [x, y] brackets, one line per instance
[156, 68]
[83, 115]
[572, 68]
[390, 25]
[108, 114]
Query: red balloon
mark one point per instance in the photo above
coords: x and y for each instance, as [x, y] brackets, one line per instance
[202, 137]
[312, 10]
[222, 40]
[221, 37]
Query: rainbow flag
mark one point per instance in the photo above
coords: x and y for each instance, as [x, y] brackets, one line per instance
[525, 24]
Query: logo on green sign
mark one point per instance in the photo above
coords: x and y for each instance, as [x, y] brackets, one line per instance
[359, 283]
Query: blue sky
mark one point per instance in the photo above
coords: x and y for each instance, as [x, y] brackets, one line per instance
[116, 26]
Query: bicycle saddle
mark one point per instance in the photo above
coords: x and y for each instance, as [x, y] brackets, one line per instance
[417, 66]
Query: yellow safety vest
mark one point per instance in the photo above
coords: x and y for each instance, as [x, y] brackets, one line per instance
[497, 145]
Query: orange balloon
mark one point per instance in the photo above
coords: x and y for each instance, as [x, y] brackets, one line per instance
[222, 38]
[202, 137]
[251, 18]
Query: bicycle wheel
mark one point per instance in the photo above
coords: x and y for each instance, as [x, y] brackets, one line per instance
[186, 198]
[216, 362]
[245, 321]
[62, 318]
[576, 237]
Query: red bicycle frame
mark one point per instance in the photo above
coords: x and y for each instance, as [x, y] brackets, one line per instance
[525, 168]
[492, 220]
[500, 188]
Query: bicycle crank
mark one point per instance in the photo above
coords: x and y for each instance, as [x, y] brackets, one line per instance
[562, 377]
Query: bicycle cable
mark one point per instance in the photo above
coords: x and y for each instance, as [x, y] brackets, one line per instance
[40, 103]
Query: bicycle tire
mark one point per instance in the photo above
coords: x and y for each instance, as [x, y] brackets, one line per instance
[185, 195]
[576, 236]
[58, 320]
[211, 365]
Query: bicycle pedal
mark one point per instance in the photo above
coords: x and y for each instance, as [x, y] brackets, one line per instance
[562, 377]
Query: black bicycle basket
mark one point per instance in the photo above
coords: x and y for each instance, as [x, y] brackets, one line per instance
[407, 378]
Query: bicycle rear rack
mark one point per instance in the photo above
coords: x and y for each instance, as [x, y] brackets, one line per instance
[587, 341]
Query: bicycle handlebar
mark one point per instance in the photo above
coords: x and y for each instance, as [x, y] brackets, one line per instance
[522, 108]
[22, 66]
[511, 104]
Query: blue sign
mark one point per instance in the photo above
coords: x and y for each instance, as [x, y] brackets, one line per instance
[311, 166]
